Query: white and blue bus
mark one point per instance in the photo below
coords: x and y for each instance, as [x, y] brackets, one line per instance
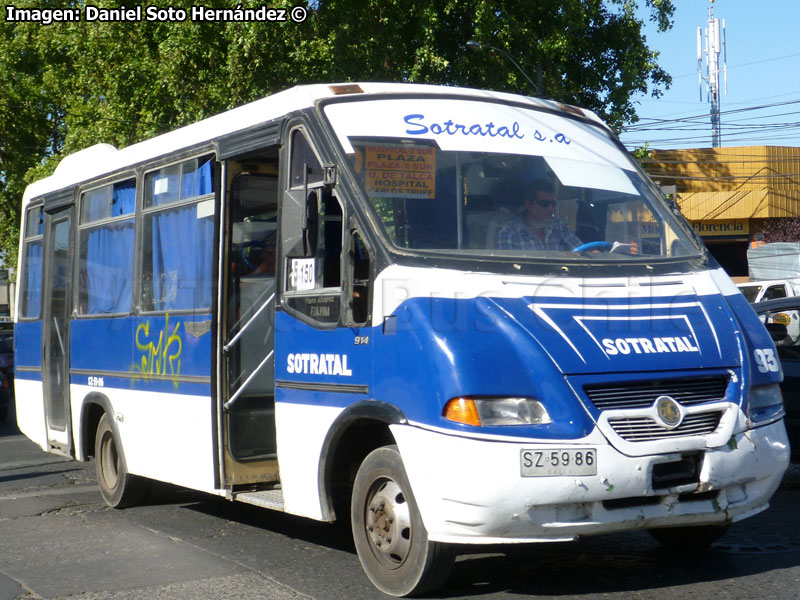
[450, 316]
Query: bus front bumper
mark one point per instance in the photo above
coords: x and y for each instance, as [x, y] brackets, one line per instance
[472, 491]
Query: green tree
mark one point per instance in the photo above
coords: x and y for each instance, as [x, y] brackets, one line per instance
[591, 53]
[67, 86]
[30, 123]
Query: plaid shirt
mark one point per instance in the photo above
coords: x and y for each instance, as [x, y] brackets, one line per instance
[515, 235]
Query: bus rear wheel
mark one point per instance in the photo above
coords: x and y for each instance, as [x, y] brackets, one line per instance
[390, 538]
[118, 487]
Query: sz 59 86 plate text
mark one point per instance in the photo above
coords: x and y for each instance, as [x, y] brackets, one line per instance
[558, 461]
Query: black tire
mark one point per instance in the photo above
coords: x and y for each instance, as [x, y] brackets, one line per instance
[3, 414]
[118, 487]
[390, 539]
[689, 538]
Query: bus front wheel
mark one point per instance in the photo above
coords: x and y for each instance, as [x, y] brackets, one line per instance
[118, 487]
[390, 539]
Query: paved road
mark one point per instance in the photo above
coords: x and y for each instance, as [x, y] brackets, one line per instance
[57, 540]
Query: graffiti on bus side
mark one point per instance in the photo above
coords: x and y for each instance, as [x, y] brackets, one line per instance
[159, 353]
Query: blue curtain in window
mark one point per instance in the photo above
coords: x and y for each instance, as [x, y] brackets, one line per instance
[197, 182]
[33, 280]
[182, 256]
[123, 199]
[109, 268]
[182, 246]
[205, 183]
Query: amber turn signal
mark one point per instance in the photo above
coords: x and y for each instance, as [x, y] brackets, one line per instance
[462, 410]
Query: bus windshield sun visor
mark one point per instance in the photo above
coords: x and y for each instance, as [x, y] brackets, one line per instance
[579, 173]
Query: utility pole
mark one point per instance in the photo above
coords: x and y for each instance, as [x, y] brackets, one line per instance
[711, 45]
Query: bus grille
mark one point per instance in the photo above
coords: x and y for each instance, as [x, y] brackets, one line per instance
[642, 394]
[645, 429]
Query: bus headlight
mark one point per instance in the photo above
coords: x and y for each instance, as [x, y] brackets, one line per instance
[765, 404]
[496, 411]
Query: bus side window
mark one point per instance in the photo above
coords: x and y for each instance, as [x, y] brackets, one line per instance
[301, 202]
[31, 279]
[178, 234]
[106, 237]
[303, 154]
[312, 233]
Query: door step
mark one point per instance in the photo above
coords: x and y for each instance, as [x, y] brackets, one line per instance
[272, 499]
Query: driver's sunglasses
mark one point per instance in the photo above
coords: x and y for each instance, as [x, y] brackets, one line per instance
[549, 203]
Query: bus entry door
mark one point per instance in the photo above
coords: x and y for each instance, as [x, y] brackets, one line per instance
[249, 339]
[55, 329]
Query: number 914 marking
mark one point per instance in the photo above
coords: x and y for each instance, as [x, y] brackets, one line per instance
[558, 461]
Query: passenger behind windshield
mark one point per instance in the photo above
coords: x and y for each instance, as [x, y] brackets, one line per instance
[537, 228]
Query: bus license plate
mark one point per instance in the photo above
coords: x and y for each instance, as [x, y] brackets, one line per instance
[558, 461]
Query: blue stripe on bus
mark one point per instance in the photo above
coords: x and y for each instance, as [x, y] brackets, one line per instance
[28, 344]
[165, 345]
[144, 346]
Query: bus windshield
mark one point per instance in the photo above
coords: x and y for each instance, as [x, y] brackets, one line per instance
[496, 180]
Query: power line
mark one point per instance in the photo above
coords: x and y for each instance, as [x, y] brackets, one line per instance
[747, 64]
[652, 120]
[752, 136]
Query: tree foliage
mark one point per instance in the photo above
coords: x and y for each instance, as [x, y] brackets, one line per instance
[66, 86]
[782, 229]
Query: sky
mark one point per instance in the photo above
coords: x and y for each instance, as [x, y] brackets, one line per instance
[762, 106]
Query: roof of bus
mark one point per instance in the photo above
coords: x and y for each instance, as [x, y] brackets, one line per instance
[102, 159]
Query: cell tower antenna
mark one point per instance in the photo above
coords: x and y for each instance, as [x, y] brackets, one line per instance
[712, 43]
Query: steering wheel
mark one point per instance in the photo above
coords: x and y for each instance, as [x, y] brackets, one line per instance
[245, 253]
[599, 246]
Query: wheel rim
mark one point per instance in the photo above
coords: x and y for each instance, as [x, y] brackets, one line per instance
[109, 461]
[388, 523]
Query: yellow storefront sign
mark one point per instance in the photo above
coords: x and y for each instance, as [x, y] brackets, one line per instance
[401, 171]
[723, 227]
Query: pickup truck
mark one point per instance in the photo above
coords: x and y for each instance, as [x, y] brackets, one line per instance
[770, 289]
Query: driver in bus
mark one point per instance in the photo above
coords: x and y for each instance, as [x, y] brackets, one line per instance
[537, 228]
[264, 261]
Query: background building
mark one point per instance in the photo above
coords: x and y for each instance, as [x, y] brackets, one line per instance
[734, 196]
